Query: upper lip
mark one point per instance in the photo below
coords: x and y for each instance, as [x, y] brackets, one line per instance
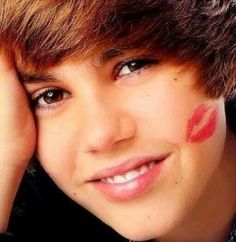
[126, 166]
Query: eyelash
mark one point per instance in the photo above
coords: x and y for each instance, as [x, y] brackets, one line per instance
[43, 93]
[144, 63]
[139, 64]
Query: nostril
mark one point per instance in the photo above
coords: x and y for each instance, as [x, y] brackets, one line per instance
[103, 134]
[99, 141]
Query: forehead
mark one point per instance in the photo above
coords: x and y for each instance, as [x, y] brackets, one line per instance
[28, 70]
[30, 73]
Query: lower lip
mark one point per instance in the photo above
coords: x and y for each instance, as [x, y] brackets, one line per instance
[130, 189]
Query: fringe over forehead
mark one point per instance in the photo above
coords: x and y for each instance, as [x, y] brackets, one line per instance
[46, 32]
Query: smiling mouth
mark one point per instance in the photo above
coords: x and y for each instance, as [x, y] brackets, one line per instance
[131, 178]
[129, 175]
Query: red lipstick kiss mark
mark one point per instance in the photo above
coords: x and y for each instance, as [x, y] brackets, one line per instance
[202, 124]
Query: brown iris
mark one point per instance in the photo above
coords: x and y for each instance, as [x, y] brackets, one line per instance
[53, 96]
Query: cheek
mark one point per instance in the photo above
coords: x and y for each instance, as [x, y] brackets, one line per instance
[205, 141]
[164, 116]
[202, 124]
[55, 150]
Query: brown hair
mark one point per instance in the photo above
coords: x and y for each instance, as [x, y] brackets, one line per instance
[46, 32]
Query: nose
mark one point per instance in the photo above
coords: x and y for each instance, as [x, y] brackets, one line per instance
[105, 126]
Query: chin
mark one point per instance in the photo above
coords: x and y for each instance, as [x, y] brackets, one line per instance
[152, 228]
[138, 233]
[136, 236]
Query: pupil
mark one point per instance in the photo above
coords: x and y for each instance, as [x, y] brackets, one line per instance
[135, 65]
[50, 94]
[53, 96]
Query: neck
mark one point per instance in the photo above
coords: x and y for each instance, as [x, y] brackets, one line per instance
[211, 219]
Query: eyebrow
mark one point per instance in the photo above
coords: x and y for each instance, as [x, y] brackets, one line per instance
[30, 78]
[109, 55]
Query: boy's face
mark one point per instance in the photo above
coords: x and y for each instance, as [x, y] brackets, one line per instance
[130, 138]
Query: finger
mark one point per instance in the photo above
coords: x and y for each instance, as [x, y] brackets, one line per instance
[13, 98]
[9, 82]
[11, 123]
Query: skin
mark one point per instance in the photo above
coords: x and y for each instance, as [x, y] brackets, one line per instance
[202, 124]
[105, 119]
[17, 136]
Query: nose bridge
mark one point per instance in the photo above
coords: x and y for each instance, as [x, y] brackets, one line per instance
[103, 123]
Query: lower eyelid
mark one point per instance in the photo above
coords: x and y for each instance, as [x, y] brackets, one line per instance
[49, 107]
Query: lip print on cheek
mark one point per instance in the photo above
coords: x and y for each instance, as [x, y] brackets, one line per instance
[202, 124]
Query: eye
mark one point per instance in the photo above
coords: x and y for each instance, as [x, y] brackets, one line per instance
[133, 66]
[48, 98]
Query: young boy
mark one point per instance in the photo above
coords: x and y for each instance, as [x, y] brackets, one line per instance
[128, 99]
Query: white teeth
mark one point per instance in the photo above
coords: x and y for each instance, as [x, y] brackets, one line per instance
[143, 169]
[152, 164]
[122, 178]
[110, 180]
[131, 175]
[119, 179]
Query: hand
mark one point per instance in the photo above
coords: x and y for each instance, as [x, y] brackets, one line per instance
[17, 135]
